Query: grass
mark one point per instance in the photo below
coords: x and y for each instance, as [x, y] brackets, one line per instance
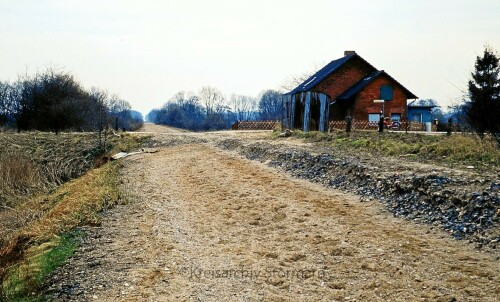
[33, 165]
[39, 245]
[19, 175]
[76, 202]
[127, 142]
[37, 226]
[37, 162]
[24, 279]
[462, 149]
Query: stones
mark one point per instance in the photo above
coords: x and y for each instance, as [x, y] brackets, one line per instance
[434, 196]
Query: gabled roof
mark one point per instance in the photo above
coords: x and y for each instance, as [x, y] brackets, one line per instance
[356, 88]
[423, 104]
[325, 72]
[359, 85]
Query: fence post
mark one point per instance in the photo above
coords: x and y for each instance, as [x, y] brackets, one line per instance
[381, 124]
[448, 131]
[348, 124]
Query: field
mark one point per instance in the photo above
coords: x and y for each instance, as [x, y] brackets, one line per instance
[203, 216]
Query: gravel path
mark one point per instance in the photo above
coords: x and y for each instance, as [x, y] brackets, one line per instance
[207, 225]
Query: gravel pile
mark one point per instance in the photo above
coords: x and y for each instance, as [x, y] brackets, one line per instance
[466, 206]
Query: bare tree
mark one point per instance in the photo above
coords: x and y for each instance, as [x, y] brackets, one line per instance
[270, 105]
[211, 98]
[294, 80]
[99, 111]
[4, 102]
[243, 107]
[55, 100]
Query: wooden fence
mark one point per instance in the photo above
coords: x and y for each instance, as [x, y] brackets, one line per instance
[366, 125]
[256, 125]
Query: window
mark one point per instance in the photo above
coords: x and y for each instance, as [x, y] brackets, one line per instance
[396, 117]
[386, 92]
[374, 117]
[417, 117]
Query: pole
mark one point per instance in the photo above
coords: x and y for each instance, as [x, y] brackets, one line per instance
[381, 124]
[348, 124]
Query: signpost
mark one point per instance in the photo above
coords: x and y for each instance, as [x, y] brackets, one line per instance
[383, 103]
[382, 115]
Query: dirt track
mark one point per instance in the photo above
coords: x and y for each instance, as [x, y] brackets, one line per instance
[208, 225]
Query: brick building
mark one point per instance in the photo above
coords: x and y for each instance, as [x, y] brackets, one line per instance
[346, 86]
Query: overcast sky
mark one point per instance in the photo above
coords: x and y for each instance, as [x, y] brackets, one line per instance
[146, 51]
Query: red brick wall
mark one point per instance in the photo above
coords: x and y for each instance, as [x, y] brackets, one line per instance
[364, 100]
[342, 79]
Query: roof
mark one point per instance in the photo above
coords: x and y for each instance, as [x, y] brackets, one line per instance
[422, 107]
[424, 104]
[325, 72]
[359, 85]
[333, 66]
[356, 88]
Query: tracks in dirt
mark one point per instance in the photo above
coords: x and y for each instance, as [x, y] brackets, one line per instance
[207, 225]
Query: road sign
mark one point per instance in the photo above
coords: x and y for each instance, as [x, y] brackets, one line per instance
[378, 101]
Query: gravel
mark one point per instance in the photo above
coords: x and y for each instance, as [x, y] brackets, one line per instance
[464, 204]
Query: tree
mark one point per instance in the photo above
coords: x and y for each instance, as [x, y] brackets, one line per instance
[4, 102]
[292, 81]
[206, 111]
[243, 107]
[182, 111]
[50, 101]
[270, 105]
[483, 108]
[211, 98]
[97, 113]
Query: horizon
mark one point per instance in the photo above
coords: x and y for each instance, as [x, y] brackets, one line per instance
[147, 52]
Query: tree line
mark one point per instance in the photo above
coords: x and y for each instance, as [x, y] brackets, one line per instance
[55, 101]
[209, 109]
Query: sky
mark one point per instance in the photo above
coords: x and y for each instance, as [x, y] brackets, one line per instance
[146, 51]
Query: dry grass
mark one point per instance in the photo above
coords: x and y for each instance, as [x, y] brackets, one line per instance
[464, 149]
[37, 162]
[34, 164]
[74, 203]
[78, 201]
[19, 176]
[42, 194]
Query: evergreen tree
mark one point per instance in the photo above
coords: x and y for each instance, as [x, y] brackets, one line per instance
[483, 109]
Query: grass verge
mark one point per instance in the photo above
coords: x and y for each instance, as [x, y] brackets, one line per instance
[462, 149]
[23, 279]
[38, 248]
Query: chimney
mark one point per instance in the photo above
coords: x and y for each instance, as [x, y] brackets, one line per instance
[349, 52]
